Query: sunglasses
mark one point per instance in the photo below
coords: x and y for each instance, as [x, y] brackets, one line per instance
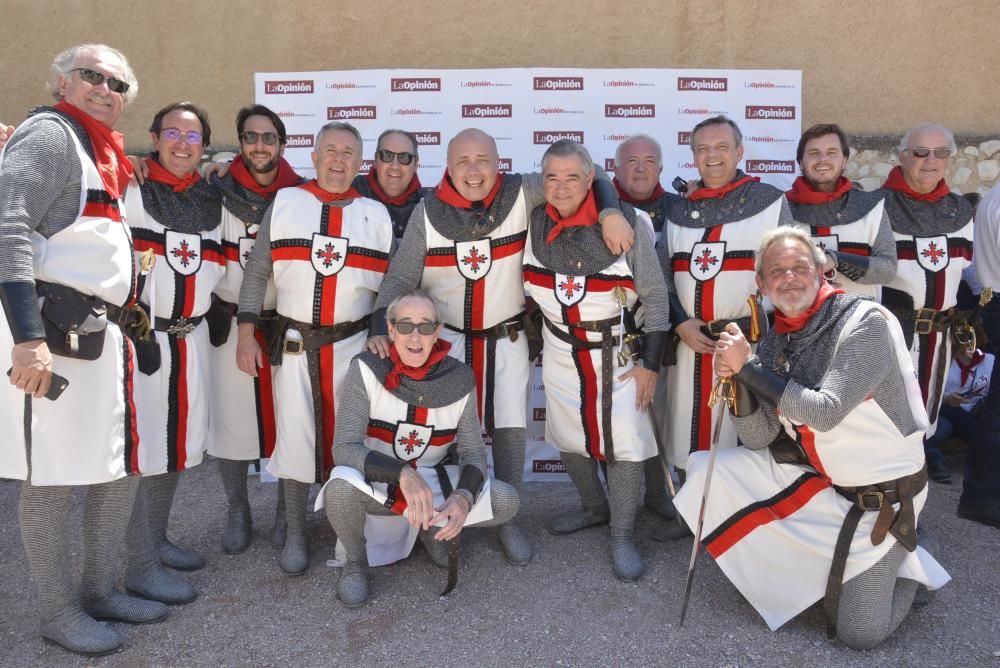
[96, 79]
[173, 134]
[385, 155]
[251, 137]
[939, 153]
[407, 327]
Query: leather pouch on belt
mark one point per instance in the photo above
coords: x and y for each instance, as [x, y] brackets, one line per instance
[220, 321]
[74, 324]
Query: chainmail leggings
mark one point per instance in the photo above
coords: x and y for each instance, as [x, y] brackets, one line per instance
[624, 485]
[875, 602]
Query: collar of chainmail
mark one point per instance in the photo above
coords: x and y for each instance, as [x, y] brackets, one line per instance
[817, 339]
[197, 209]
[399, 213]
[444, 384]
[658, 208]
[944, 216]
[850, 208]
[579, 251]
[741, 203]
[465, 225]
[245, 204]
[78, 129]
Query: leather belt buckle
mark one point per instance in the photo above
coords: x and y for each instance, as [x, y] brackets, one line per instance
[293, 347]
[716, 327]
[924, 322]
[510, 330]
[877, 496]
[181, 328]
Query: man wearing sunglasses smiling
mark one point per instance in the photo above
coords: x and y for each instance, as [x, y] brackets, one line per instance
[393, 178]
[933, 232]
[63, 185]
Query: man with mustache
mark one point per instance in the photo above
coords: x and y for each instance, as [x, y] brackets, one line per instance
[392, 179]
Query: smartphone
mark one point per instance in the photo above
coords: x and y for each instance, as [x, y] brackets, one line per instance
[56, 388]
[679, 184]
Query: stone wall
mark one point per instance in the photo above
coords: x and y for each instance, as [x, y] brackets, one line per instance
[976, 168]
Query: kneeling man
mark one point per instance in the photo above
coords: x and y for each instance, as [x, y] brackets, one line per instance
[396, 421]
[823, 501]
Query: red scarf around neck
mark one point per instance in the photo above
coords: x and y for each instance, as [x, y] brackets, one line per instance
[977, 357]
[623, 195]
[241, 174]
[392, 379]
[803, 192]
[380, 195]
[718, 193]
[585, 216]
[897, 182]
[325, 196]
[446, 193]
[784, 324]
[109, 150]
[159, 174]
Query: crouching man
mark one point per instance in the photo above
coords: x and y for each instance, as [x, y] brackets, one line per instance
[823, 501]
[397, 419]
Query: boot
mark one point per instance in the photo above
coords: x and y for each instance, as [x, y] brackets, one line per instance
[237, 536]
[161, 499]
[295, 556]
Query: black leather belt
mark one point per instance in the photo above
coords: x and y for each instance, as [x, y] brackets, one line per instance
[606, 344]
[714, 328]
[314, 338]
[179, 327]
[506, 329]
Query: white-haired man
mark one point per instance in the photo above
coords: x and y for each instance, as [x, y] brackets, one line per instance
[933, 231]
[64, 239]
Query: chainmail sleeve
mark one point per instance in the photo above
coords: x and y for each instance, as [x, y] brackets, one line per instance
[469, 444]
[757, 430]
[257, 273]
[349, 447]
[649, 281]
[39, 192]
[864, 365]
[407, 265]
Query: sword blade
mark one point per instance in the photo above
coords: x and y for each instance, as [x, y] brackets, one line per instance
[701, 512]
[452, 566]
[661, 452]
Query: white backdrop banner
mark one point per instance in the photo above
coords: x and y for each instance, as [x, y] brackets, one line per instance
[526, 110]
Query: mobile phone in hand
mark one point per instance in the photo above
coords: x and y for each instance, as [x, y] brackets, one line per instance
[56, 387]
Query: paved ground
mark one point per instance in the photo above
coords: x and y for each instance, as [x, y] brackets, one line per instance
[564, 609]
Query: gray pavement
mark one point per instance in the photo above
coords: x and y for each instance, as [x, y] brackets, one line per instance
[563, 609]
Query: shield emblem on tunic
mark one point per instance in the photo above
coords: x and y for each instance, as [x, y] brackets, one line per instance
[473, 258]
[183, 252]
[246, 245]
[706, 259]
[411, 441]
[570, 289]
[828, 242]
[932, 252]
[328, 254]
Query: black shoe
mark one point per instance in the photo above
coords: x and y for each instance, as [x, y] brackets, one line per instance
[939, 473]
[986, 513]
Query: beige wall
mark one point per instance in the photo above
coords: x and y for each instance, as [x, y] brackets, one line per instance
[875, 67]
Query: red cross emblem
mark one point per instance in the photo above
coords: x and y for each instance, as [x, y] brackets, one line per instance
[328, 255]
[932, 253]
[411, 441]
[706, 260]
[570, 286]
[184, 253]
[473, 260]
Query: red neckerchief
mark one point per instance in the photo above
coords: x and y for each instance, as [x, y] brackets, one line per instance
[625, 197]
[977, 357]
[786, 325]
[325, 196]
[897, 182]
[446, 193]
[109, 150]
[719, 193]
[586, 215]
[286, 177]
[803, 192]
[385, 199]
[159, 174]
[392, 379]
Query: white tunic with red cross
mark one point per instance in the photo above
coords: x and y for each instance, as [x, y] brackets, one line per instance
[419, 436]
[174, 401]
[855, 238]
[929, 269]
[328, 263]
[89, 436]
[713, 274]
[242, 420]
[476, 285]
[762, 516]
[573, 377]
